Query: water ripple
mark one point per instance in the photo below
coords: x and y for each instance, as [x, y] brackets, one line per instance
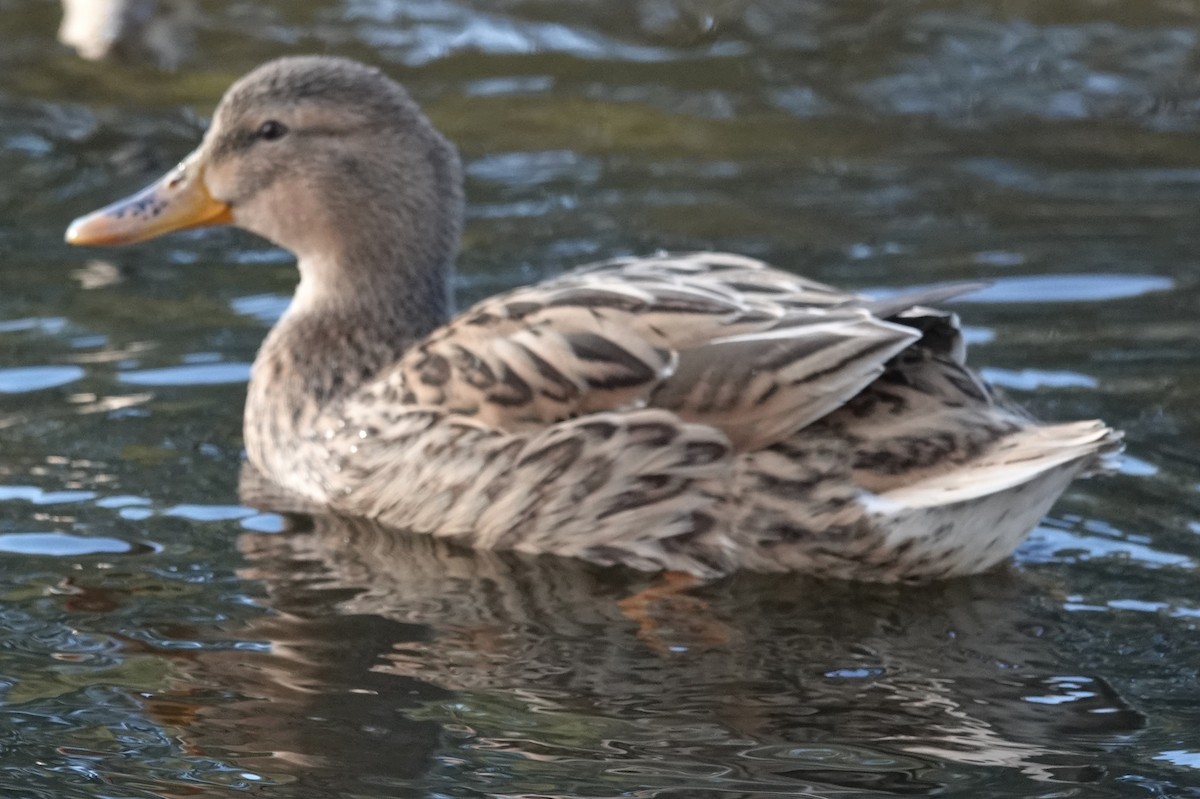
[20, 380]
[1068, 288]
[62, 545]
[210, 374]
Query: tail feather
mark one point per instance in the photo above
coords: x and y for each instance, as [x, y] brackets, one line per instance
[1014, 460]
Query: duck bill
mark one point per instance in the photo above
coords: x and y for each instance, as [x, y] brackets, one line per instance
[178, 201]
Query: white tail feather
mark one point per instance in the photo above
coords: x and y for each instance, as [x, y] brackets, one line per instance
[1014, 460]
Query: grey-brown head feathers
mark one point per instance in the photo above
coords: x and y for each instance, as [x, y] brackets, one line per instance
[348, 83]
[353, 178]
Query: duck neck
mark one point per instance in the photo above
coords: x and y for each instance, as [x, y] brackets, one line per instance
[389, 292]
[354, 314]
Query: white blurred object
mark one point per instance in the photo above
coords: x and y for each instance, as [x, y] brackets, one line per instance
[159, 31]
[97, 274]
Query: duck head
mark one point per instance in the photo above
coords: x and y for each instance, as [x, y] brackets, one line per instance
[327, 158]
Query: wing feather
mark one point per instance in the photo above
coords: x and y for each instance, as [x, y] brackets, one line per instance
[719, 340]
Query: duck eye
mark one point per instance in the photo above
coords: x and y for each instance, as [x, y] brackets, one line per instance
[271, 130]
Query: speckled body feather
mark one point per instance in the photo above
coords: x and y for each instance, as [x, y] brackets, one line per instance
[699, 413]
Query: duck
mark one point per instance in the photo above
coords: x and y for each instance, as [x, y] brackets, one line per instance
[693, 413]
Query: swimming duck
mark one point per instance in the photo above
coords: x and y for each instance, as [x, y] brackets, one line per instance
[697, 413]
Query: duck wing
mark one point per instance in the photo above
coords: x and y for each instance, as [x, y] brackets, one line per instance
[719, 340]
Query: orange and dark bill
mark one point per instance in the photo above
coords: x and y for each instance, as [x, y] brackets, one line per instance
[179, 200]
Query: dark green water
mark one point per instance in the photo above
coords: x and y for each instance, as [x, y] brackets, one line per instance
[159, 640]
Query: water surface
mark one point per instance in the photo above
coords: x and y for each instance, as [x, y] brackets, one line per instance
[158, 639]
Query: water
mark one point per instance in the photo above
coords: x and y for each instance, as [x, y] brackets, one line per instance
[159, 640]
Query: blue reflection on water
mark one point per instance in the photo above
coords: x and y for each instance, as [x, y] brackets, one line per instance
[208, 374]
[61, 544]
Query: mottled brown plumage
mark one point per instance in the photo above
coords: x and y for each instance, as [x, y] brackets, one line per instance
[699, 412]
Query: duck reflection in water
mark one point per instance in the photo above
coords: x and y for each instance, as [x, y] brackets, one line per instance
[399, 656]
